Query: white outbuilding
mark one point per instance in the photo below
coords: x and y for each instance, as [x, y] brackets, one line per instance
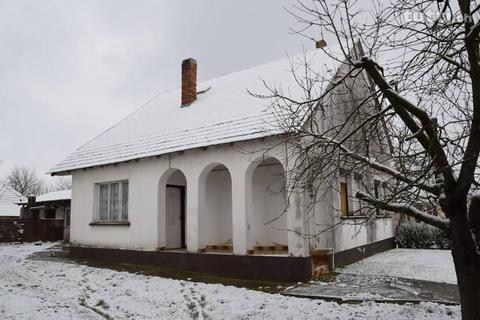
[9, 198]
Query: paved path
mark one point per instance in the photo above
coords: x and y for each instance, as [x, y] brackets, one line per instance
[354, 288]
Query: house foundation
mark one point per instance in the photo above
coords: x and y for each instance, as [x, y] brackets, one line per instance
[254, 266]
[259, 267]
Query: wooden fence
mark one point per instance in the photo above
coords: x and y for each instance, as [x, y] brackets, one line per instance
[22, 230]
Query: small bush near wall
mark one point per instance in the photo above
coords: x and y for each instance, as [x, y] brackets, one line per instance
[418, 235]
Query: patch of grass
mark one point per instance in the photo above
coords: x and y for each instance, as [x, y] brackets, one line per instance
[157, 271]
[83, 302]
[102, 303]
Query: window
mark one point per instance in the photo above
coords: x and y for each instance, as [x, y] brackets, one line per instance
[343, 199]
[50, 213]
[112, 201]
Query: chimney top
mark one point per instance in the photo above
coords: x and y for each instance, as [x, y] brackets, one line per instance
[31, 199]
[189, 81]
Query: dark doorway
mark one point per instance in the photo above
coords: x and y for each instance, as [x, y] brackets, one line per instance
[175, 216]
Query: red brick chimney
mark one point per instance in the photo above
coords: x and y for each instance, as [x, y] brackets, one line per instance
[189, 81]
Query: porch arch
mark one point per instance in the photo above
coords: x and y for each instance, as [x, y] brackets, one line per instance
[215, 208]
[266, 205]
[172, 188]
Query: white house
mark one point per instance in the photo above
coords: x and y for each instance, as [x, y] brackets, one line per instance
[195, 179]
[8, 202]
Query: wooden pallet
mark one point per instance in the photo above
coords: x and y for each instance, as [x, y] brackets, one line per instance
[218, 248]
[269, 249]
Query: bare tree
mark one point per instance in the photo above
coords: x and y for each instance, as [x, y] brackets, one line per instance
[61, 183]
[408, 85]
[25, 180]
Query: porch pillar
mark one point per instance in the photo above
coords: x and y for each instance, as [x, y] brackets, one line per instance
[298, 244]
[241, 193]
[194, 198]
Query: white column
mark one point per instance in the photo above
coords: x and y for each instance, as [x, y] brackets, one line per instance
[298, 244]
[241, 194]
[194, 198]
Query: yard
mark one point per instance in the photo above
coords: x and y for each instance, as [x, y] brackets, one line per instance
[420, 264]
[33, 289]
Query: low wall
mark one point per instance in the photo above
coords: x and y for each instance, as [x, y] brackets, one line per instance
[280, 268]
[10, 230]
[354, 254]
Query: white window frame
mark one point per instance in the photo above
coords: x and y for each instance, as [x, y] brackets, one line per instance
[120, 201]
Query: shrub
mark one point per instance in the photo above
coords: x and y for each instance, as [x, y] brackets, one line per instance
[419, 235]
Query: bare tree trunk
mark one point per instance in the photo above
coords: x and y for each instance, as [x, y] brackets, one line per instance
[467, 264]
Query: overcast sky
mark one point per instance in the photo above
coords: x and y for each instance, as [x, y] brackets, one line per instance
[71, 69]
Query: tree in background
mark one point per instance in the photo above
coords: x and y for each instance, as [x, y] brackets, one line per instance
[26, 181]
[61, 183]
[421, 61]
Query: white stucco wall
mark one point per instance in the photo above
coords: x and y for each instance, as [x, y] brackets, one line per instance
[334, 232]
[209, 195]
[143, 184]
[221, 205]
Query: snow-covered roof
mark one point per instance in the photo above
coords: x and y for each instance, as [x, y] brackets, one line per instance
[55, 196]
[225, 113]
[9, 198]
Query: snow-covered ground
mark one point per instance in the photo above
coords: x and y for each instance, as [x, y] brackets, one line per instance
[33, 289]
[420, 264]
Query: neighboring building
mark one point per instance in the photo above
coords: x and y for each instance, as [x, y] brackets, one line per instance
[192, 177]
[9, 198]
[52, 208]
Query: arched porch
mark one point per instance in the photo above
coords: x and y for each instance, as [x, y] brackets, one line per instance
[267, 207]
[215, 209]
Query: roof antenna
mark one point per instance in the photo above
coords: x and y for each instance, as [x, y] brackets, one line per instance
[321, 43]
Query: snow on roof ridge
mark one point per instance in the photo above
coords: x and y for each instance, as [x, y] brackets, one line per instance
[146, 103]
[228, 113]
[289, 58]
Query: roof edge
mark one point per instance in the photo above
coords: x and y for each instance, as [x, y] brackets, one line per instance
[66, 172]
